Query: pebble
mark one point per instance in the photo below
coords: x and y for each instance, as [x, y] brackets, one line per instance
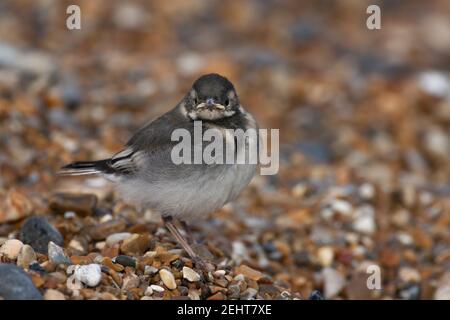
[400, 218]
[136, 244]
[77, 247]
[117, 237]
[190, 274]
[130, 281]
[56, 254]
[27, 61]
[15, 284]
[249, 272]
[443, 287]
[249, 294]
[408, 274]
[177, 264]
[106, 228]
[316, 295]
[168, 279]
[325, 255]
[52, 294]
[116, 277]
[365, 220]
[219, 273]
[194, 295]
[437, 142]
[106, 261]
[81, 204]
[26, 256]
[240, 252]
[434, 83]
[234, 291]
[341, 206]
[148, 291]
[69, 215]
[90, 274]
[100, 245]
[410, 292]
[150, 270]
[367, 191]
[37, 232]
[11, 249]
[14, 206]
[157, 288]
[405, 238]
[333, 282]
[125, 261]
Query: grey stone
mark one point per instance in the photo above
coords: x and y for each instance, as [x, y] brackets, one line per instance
[37, 232]
[16, 285]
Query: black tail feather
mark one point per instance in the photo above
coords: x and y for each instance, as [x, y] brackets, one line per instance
[86, 167]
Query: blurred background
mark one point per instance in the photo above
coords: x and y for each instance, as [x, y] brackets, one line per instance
[364, 119]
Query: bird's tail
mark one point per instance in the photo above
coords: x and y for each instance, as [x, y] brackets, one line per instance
[85, 167]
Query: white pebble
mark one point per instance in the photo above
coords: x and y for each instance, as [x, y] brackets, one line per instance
[117, 237]
[341, 206]
[194, 295]
[190, 274]
[405, 238]
[408, 274]
[367, 191]
[76, 245]
[434, 83]
[100, 245]
[90, 274]
[11, 249]
[69, 215]
[365, 220]
[105, 218]
[168, 279]
[239, 252]
[334, 282]
[148, 291]
[157, 288]
[220, 273]
[325, 256]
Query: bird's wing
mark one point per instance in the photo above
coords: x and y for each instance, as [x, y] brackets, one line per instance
[150, 146]
[127, 161]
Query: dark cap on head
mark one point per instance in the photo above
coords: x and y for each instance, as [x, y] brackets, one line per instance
[212, 85]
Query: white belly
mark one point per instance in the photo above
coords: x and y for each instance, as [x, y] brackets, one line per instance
[189, 198]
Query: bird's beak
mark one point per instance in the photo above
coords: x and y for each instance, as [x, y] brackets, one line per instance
[210, 103]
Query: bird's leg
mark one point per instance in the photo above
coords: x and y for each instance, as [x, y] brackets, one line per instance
[187, 229]
[168, 221]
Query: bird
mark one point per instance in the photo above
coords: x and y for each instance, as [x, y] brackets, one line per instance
[145, 175]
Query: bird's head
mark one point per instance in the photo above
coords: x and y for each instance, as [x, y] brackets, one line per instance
[212, 97]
